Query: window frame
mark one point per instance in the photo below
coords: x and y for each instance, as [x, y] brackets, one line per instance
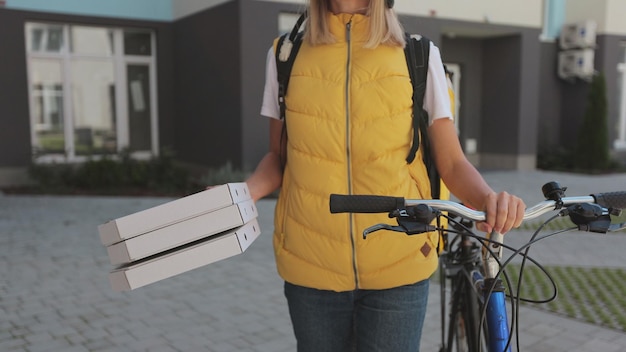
[119, 61]
[620, 142]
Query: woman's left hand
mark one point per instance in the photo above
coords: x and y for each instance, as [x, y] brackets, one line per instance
[504, 212]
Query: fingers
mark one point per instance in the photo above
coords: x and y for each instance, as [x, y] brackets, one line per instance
[491, 208]
[483, 227]
[504, 211]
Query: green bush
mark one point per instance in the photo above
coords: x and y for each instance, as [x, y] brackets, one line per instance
[592, 151]
[123, 175]
[224, 174]
[555, 158]
[53, 175]
[119, 174]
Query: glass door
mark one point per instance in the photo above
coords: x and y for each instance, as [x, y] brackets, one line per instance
[139, 103]
[47, 116]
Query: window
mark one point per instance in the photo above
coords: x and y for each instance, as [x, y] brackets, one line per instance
[137, 43]
[47, 104]
[92, 91]
[46, 38]
[620, 142]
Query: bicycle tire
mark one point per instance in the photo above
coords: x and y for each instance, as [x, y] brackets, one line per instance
[464, 324]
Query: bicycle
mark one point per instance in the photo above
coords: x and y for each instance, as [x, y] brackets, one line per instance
[473, 265]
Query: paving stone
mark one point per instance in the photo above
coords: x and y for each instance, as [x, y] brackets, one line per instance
[13, 344]
[55, 294]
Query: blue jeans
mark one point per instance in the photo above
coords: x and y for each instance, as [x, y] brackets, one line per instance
[388, 320]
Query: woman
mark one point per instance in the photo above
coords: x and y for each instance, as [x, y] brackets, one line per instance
[349, 130]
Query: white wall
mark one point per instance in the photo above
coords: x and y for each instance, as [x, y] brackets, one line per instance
[182, 8]
[615, 21]
[608, 14]
[527, 13]
[581, 10]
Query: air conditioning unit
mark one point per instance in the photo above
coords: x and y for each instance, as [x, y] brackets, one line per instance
[576, 64]
[578, 35]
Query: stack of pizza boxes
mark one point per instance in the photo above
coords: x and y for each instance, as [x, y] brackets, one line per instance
[180, 235]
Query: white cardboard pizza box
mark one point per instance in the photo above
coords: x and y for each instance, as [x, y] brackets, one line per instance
[172, 212]
[183, 232]
[186, 258]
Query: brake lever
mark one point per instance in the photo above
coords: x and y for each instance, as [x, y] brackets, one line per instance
[411, 221]
[377, 227]
[410, 227]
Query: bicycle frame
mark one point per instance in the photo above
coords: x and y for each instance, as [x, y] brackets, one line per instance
[492, 290]
[496, 314]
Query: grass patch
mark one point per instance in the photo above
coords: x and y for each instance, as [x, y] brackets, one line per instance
[592, 295]
[564, 222]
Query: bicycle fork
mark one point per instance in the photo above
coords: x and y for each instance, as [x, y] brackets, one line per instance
[496, 315]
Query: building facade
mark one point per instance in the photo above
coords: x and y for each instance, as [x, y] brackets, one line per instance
[87, 78]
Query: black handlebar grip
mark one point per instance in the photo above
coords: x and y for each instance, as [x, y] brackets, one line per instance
[364, 203]
[611, 200]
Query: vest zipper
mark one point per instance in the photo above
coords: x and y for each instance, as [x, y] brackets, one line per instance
[348, 151]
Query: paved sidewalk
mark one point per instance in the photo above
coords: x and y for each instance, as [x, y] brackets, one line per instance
[55, 295]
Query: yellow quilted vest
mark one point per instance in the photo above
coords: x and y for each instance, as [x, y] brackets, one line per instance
[349, 125]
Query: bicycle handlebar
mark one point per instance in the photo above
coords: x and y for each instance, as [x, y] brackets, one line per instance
[382, 204]
[615, 200]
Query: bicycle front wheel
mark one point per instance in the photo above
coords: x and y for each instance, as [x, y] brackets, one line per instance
[465, 333]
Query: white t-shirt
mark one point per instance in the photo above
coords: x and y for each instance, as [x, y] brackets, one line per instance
[436, 98]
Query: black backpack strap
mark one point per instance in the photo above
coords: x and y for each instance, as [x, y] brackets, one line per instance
[286, 52]
[417, 51]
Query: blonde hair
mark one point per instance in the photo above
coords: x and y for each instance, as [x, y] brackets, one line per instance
[385, 27]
